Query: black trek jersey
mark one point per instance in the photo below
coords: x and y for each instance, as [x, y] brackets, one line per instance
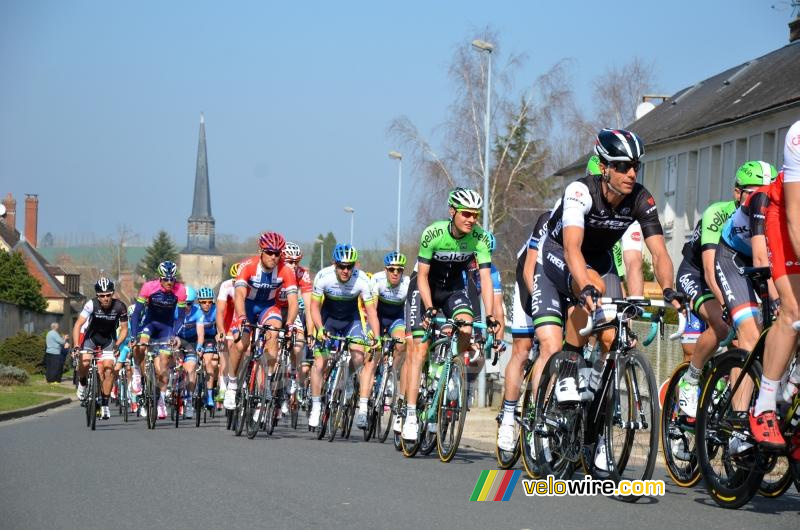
[103, 323]
[583, 205]
[538, 232]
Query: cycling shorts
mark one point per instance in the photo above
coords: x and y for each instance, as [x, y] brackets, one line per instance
[254, 311]
[782, 258]
[156, 331]
[692, 283]
[390, 325]
[105, 345]
[341, 328]
[451, 303]
[273, 315]
[695, 326]
[521, 319]
[737, 290]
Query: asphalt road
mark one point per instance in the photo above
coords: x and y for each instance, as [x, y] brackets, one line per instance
[58, 474]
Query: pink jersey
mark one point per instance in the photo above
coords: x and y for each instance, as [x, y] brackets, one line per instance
[159, 303]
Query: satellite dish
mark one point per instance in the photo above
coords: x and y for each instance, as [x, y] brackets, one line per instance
[2, 210]
[643, 108]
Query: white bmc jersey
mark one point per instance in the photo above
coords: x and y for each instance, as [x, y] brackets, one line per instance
[791, 154]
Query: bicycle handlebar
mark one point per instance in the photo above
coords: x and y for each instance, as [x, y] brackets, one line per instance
[637, 301]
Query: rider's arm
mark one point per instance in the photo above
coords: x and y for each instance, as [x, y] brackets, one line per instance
[710, 276]
[499, 314]
[291, 313]
[576, 204]
[76, 330]
[220, 318]
[309, 321]
[529, 267]
[758, 241]
[136, 316]
[573, 239]
[179, 318]
[487, 294]
[201, 333]
[423, 270]
[314, 309]
[634, 277]
[791, 198]
[372, 316]
[123, 333]
[239, 295]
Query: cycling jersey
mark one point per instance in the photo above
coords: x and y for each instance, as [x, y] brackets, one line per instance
[747, 221]
[521, 316]
[584, 206]
[390, 299]
[631, 240]
[159, 306]
[197, 316]
[707, 231]
[475, 277]
[225, 295]
[783, 258]
[448, 257]
[340, 300]
[265, 288]
[102, 323]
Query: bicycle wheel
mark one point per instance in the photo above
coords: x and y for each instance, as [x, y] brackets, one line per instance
[152, 396]
[558, 430]
[678, 436]
[384, 414]
[93, 393]
[273, 406]
[731, 480]
[124, 398]
[255, 414]
[527, 421]
[197, 397]
[411, 447]
[778, 478]
[244, 397]
[451, 410]
[335, 416]
[324, 416]
[507, 459]
[85, 405]
[632, 425]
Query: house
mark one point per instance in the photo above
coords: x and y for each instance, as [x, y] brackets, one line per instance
[60, 288]
[697, 138]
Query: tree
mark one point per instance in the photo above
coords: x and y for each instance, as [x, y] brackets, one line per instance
[162, 249]
[18, 286]
[329, 242]
[116, 249]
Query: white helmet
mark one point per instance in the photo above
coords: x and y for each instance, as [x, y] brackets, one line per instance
[292, 251]
[465, 198]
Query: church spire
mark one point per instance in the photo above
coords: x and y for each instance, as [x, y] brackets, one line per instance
[201, 223]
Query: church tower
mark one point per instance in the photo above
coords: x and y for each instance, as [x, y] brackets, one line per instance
[200, 262]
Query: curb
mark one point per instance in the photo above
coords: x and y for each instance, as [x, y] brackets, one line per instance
[35, 409]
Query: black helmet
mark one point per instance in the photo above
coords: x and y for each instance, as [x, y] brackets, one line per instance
[618, 145]
[104, 285]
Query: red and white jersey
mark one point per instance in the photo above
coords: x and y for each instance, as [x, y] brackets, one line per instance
[225, 296]
[266, 287]
[303, 279]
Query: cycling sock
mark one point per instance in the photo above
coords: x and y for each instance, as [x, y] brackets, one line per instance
[692, 375]
[766, 396]
[163, 396]
[401, 397]
[362, 404]
[411, 411]
[232, 383]
[509, 407]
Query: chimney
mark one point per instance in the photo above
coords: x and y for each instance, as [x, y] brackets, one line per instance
[11, 211]
[31, 218]
[794, 30]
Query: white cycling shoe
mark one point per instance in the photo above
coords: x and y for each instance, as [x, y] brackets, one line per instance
[313, 418]
[411, 429]
[600, 454]
[505, 438]
[361, 420]
[687, 398]
[398, 424]
[230, 399]
[567, 391]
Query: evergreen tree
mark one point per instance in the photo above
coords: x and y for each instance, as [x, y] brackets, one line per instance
[18, 286]
[161, 249]
[329, 242]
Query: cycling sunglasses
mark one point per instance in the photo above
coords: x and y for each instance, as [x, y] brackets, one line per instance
[395, 269]
[623, 166]
[271, 252]
[345, 266]
[469, 214]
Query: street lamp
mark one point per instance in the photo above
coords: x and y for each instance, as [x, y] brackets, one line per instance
[321, 252]
[397, 156]
[483, 46]
[352, 213]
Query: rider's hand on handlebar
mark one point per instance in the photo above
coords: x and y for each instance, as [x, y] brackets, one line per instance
[588, 296]
[674, 297]
[491, 323]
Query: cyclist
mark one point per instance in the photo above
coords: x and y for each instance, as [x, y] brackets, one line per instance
[225, 310]
[206, 329]
[743, 244]
[697, 279]
[106, 320]
[594, 213]
[303, 325]
[390, 288]
[155, 318]
[334, 310]
[783, 232]
[266, 293]
[446, 248]
[187, 334]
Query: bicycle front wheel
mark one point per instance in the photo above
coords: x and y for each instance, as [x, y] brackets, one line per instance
[452, 410]
[93, 393]
[152, 396]
[384, 416]
[678, 436]
[778, 477]
[527, 421]
[632, 423]
[124, 398]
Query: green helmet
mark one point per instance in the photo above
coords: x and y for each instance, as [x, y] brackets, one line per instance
[593, 167]
[755, 173]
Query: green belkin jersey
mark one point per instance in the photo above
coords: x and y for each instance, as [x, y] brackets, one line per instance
[449, 257]
[708, 231]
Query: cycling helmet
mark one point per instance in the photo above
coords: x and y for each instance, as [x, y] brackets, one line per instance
[271, 241]
[618, 145]
[191, 295]
[167, 270]
[345, 254]
[465, 198]
[234, 272]
[104, 285]
[593, 167]
[755, 173]
[292, 251]
[394, 258]
[205, 293]
[491, 241]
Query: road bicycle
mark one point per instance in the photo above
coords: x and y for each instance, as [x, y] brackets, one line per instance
[380, 407]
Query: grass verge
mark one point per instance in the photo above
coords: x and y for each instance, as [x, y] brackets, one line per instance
[37, 391]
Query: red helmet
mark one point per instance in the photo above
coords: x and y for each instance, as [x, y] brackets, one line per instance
[271, 241]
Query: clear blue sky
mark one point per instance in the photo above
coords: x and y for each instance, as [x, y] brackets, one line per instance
[100, 101]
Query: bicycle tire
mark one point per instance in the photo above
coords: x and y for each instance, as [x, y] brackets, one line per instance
[742, 476]
[243, 395]
[527, 423]
[506, 459]
[93, 398]
[273, 408]
[369, 431]
[85, 405]
[564, 450]
[324, 416]
[640, 430]
[389, 391]
[778, 479]
[125, 400]
[335, 415]
[451, 410]
[254, 414]
[674, 426]
[152, 396]
[197, 397]
[411, 447]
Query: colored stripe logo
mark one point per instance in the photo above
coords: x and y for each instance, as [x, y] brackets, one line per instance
[495, 485]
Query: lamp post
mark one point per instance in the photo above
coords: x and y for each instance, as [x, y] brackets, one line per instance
[483, 46]
[321, 252]
[397, 156]
[352, 212]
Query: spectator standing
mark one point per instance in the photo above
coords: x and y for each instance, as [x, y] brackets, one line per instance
[55, 342]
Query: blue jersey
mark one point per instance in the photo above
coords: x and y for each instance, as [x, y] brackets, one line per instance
[497, 284]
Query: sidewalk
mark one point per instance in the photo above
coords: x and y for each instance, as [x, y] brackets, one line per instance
[480, 429]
